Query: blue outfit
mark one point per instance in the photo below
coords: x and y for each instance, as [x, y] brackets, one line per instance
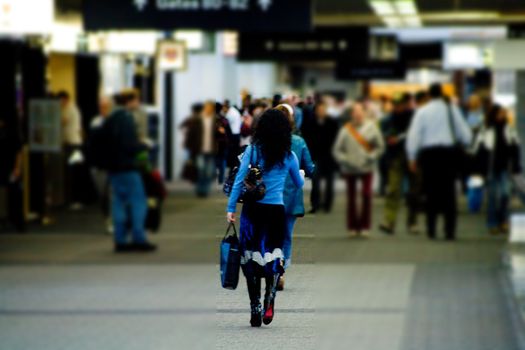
[498, 188]
[274, 178]
[129, 204]
[263, 224]
[293, 196]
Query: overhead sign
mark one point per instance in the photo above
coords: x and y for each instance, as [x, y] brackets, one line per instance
[370, 70]
[243, 15]
[171, 55]
[322, 44]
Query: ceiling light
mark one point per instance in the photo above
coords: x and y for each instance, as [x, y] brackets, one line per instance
[382, 8]
[393, 21]
[412, 21]
[406, 7]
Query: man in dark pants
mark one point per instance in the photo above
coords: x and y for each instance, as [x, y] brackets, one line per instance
[435, 134]
[11, 171]
[320, 133]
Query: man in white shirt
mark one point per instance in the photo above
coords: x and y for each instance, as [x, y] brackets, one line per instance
[72, 140]
[436, 134]
[235, 121]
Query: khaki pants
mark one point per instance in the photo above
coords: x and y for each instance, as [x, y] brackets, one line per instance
[397, 174]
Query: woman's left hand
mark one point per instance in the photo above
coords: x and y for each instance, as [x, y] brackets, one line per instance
[230, 217]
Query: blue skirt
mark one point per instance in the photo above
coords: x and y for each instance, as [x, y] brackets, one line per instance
[262, 233]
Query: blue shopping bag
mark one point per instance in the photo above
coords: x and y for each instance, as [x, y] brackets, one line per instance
[475, 194]
[230, 259]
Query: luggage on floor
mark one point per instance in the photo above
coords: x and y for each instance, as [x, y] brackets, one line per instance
[156, 193]
[475, 194]
[230, 263]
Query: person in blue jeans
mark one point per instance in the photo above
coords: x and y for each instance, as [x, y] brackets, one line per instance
[496, 152]
[129, 202]
[293, 196]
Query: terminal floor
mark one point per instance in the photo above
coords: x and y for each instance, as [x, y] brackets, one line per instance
[61, 287]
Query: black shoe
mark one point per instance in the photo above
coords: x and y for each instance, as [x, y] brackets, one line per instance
[312, 211]
[450, 238]
[386, 229]
[269, 310]
[256, 318]
[144, 247]
[123, 248]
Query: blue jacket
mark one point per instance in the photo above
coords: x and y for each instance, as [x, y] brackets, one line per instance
[293, 196]
[274, 178]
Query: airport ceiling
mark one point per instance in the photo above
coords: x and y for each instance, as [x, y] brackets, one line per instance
[431, 12]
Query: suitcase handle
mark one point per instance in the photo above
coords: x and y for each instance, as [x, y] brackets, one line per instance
[230, 226]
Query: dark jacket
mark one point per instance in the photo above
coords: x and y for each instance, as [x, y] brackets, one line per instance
[320, 138]
[123, 144]
[194, 134]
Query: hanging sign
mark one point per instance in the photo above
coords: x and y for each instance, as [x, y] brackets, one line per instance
[349, 70]
[171, 55]
[320, 45]
[242, 15]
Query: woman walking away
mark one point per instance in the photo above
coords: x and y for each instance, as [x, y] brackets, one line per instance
[357, 150]
[263, 223]
[293, 196]
[497, 154]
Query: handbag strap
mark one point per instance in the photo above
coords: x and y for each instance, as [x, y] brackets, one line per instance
[230, 227]
[451, 124]
[252, 163]
[358, 137]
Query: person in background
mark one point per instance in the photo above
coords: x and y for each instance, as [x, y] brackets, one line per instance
[223, 143]
[357, 149]
[293, 196]
[475, 115]
[99, 175]
[320, 135]
[263, 223]
[203, 133]
[140, 116]
[128, 197]
[435, 134]
[235, 121]
[11, 171]
[421, 98]
[253, 112]
[496, 150]
[395, 136]
[72, 138]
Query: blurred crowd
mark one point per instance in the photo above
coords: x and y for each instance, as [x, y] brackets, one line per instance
[419, 150]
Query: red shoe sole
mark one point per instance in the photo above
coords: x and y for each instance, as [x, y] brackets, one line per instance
[268, 315]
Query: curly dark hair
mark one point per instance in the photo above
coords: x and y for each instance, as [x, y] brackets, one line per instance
[273, 134]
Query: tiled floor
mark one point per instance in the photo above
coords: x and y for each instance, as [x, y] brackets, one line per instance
[61, 287]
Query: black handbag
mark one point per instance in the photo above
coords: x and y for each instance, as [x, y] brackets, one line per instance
[253, 189]
[190, 171]
[230, 263]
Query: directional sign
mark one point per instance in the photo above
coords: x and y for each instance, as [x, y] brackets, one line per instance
[242, 15]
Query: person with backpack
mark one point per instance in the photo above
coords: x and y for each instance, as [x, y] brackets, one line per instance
[263, 221]
[496, 150]
[357, 149]
[118, 146]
